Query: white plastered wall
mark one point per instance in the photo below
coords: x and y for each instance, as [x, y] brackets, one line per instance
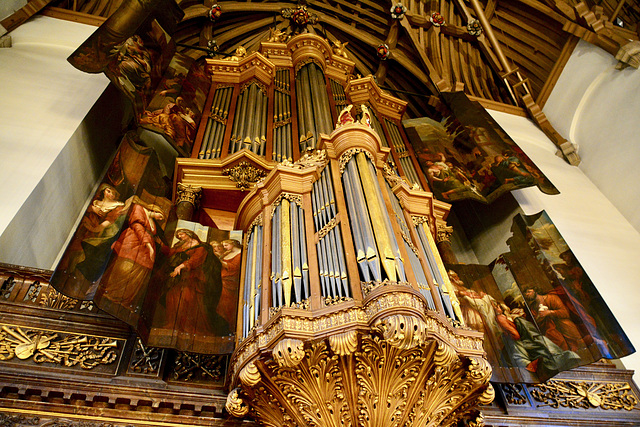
[605, 243]
[51, 156]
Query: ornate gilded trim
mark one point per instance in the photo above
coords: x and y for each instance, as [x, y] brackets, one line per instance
[45, 346]
[327, 228]
[248, 83]
[420, 219]
[295, 198]
[244, 174]
[585, 395]
[347, 155]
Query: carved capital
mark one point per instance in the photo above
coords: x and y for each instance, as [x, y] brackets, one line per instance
[189, 194]
[443, 233]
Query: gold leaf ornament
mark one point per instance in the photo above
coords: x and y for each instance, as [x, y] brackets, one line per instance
[402, 331]
[288, 352]
[249, 375]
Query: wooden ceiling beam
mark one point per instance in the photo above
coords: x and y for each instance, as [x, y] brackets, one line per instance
[20, 16]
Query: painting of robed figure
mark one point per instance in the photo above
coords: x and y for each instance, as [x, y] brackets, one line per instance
[196, 283]
[465, 154]
[538, 309]
[174, 282]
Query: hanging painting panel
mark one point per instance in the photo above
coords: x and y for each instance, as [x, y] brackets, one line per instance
[465, 154]
[539, 311]
[175, 282]
[124, 220]
[196, 286]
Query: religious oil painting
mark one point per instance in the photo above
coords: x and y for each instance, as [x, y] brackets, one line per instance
[196, 283]
[465, 154]
[166, 88]
[539, 311]
[119, 230]
[176, 106]
[175, 282]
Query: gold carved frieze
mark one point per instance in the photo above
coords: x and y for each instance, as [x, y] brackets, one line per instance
[244, 174]
[585, 395]
[58, 348]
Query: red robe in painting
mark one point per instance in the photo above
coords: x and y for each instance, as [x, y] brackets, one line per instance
[124, 283]
[227, 308]
[186, 310]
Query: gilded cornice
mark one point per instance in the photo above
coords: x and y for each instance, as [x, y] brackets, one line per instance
[383, 301]
[363, 90]
[354, 136]
[254, 65]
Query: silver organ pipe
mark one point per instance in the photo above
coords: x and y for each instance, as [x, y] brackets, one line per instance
[216, 123]
[403, 155]
[314, 112]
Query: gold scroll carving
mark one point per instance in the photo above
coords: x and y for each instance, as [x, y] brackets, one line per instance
[585, 395]
[45, 346]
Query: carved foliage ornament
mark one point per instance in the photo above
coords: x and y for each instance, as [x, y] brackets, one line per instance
[244, 174]
[68, 350]
[585, 395]
[369, 380]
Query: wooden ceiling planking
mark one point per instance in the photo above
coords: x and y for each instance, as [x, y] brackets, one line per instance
[529, 32]
[523, 41]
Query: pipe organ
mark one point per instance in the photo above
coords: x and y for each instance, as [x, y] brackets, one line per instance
[339, 258]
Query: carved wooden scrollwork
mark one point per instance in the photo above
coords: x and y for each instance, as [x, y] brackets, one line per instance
[288, 352]
[235, 405]
[396, 376]
[244, 174]
[67, 350]
[585, 395]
